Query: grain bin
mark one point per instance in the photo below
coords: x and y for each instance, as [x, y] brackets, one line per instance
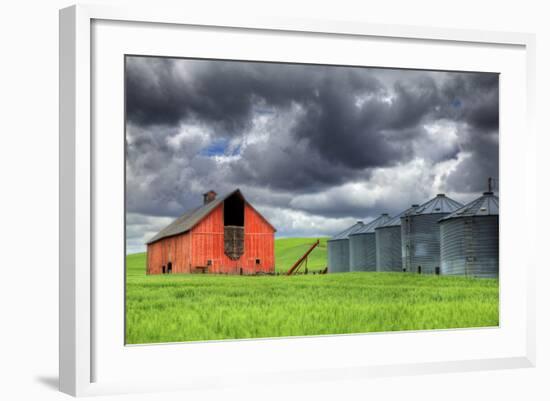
[338, 249]
[470, 240]
[388, 244]
[420, 235]
[362, 246]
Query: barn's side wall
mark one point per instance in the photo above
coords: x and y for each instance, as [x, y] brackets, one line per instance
[189, 252]
[175, 249]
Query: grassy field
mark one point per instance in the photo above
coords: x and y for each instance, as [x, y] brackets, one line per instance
[170, 308]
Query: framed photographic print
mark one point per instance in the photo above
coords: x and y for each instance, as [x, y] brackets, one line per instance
[268, 198]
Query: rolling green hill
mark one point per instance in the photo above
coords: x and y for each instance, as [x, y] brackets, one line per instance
[289, 250]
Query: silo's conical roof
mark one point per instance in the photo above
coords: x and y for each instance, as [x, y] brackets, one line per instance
[396, 220]
[345, 234]
[369, 227]
[486, 205]
[439, 204]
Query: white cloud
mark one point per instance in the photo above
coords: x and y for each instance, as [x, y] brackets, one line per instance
[294, 223]
[388, 189]
[192, 137]
[141, 228]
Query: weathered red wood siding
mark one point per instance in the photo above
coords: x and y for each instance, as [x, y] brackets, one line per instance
[173, 249]
[205, 242]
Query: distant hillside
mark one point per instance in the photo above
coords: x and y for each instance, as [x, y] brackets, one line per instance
[287, 251]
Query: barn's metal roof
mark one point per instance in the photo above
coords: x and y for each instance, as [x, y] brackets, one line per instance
[486, 205]
[438, 204]
[369, 228]
[190, 219]
[396, 220]
[346, 233]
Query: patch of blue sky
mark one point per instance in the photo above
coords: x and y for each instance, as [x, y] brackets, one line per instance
[456, 103]
[218, 147]
[221, 147]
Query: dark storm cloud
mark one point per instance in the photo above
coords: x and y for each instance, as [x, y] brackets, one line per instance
[304, 139]
[476, 97]
[224, 95]
[480, 114]
[480, 163]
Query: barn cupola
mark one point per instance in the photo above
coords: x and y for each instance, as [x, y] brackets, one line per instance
[209, 196]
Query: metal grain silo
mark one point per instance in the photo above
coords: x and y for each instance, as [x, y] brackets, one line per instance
[420, 235]
[388, 244]
[362, 246]
[470, 240]
[338, 249]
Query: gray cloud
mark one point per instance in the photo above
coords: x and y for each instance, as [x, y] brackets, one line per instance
[318, 143]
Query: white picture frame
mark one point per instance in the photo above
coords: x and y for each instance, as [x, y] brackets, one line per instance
[85, 328]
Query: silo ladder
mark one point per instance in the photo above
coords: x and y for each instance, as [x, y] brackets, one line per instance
[469, 250]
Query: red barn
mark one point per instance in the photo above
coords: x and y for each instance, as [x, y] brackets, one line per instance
[224, 235]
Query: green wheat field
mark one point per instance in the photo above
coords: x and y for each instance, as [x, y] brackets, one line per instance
[174, 308]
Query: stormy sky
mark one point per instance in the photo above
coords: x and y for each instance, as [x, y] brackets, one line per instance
[314, 148]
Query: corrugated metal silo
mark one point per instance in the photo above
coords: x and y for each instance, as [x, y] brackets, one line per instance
[420, 235]
[388, 244]
[338, 249]
[470, 240]
[362, 246]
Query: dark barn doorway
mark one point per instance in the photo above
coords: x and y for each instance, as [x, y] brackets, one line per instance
[233, 211]
[233, 221]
